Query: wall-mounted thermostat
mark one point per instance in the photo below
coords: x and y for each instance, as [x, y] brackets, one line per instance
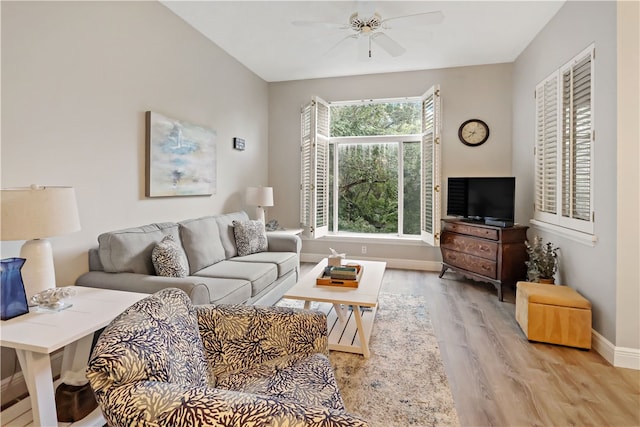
[238, 144]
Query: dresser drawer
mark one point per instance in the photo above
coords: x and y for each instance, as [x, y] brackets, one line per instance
[472, 230]
[471, 263]
[470, 245]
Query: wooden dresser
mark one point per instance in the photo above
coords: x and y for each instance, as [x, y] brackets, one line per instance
[484, 252]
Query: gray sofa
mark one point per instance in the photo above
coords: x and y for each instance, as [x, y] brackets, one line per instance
[217, 275]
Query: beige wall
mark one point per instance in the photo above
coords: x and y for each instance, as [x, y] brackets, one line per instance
[467, 92]
[628, 246]
[77, 78]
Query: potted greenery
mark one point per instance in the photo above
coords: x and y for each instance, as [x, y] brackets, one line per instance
[543, 261]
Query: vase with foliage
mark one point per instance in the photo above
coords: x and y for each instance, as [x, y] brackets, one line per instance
[543, 261]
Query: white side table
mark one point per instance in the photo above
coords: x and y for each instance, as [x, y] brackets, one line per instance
[37, 334]
[294, 231]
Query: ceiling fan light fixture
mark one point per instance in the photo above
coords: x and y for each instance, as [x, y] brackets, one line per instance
[365, 25]
[371, 28]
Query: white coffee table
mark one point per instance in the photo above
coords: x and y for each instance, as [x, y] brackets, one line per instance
[36, 335]
[350, 311]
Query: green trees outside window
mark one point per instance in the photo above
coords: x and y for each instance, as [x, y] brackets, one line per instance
[378, 167]
[387, 118]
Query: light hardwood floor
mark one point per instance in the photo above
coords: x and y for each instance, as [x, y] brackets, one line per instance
[499, 378]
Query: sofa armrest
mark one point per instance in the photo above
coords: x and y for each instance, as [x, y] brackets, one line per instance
[146, 284]
[150, 403]
[266, 333]
[284, 243]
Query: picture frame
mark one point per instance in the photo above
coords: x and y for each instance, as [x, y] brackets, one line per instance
[180, 158]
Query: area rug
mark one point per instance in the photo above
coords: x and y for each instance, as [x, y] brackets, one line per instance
[403, 383]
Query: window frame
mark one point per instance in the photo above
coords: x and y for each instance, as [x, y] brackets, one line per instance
[311, 170]
[398, 140]
[550, 141]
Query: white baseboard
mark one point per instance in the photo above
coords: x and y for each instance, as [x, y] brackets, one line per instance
[602, 346]
[620, 357]
[627, 358]
[403, 264]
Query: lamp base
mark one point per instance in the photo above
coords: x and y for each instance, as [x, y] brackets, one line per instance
[260, 214]
[38, 272]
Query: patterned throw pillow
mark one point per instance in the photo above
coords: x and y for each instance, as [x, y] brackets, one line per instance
[169, 258]
[250, 237]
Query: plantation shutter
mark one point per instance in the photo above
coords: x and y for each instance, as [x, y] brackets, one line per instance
[305, 165]
[577, 138]
[430, 180]
[546, 151]
[564, 145]
[314, 177]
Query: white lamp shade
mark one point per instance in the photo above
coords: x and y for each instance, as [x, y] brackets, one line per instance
[32, 214]
[259, 196]
[37, 212]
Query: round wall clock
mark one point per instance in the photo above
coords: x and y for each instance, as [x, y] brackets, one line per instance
[473, 132]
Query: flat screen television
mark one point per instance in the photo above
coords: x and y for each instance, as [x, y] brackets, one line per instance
[487, 199]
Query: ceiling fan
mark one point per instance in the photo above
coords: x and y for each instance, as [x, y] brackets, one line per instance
[367, 26]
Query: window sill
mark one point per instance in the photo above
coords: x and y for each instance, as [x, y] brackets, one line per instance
[385, 239]
[576, 236]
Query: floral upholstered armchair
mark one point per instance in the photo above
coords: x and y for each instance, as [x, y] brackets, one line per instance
[166, 362]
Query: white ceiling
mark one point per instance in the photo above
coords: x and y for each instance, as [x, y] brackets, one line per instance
[260, 34]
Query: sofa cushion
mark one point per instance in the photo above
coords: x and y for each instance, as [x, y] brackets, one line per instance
[129, 250]
[201, 241]
[225, 225]
[169, 259]
[227, 291]
[286, 261]
[289, 378]
[250, 237]
[261, 275]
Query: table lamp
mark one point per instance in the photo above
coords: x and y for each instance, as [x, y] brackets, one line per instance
[32, 214]
[260, 197]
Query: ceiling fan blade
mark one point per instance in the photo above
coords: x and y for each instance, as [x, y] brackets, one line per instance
[364, 47]
[332, 51]
[388, 44]
[417, 20]
[320, 24]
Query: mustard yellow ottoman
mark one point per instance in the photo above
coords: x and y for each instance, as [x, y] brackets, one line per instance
[553, 314]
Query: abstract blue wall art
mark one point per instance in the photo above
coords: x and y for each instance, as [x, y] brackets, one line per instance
[181, 158]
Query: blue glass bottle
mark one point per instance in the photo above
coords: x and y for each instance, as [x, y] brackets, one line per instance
[13, 299]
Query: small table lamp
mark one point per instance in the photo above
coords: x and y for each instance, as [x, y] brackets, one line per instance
[32, 214]
[260, 197]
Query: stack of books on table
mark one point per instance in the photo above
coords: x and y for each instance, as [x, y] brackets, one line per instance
[345, 276]
[344, 273]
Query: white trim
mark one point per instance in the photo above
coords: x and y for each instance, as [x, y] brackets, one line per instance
[402, 264]
[619, 357]
[375, 139]
[626, 357]
[405, 100]
[386, 239]
[576, 236]
[602, 346]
